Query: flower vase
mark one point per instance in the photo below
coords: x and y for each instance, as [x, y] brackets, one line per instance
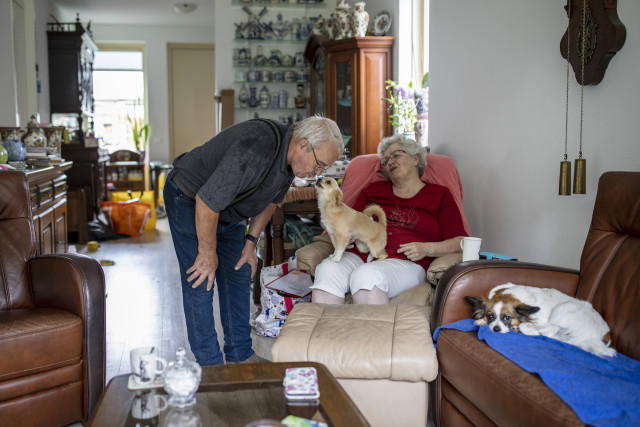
[342, 21]
[243, 97]
[359, 20]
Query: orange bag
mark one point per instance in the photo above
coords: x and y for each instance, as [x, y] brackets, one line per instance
[127, 217]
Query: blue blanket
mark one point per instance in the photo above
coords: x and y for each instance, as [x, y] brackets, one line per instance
[602, 391]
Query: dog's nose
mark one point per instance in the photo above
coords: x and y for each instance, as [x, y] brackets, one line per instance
[318, 181]
[496, 328]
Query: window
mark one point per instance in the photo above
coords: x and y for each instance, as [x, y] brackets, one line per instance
[119, 95]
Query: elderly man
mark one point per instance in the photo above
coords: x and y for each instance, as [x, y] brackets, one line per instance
[241, 173]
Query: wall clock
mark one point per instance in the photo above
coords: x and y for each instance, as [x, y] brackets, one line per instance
[604, 36]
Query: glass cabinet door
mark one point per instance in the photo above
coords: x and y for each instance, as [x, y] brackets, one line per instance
[342, 96]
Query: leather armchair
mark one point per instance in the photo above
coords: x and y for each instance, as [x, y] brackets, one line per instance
[476, 385]
[52, 322]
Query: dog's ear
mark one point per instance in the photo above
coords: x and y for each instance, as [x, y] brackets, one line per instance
[524, 311]
[478, 305]
[336, 195]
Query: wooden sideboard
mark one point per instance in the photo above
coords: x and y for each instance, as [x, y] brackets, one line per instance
[48, 192]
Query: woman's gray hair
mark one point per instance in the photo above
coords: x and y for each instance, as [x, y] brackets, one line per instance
[318, 129]
[409, 145]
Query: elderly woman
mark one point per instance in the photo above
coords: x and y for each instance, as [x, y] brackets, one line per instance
[423, 222]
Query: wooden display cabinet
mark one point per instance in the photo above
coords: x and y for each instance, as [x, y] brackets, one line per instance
[353, 72]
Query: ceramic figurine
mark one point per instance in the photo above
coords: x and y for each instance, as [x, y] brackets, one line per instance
[265, 97]
[300, 99]
[282, 102]
[260, 60]
[319, 26]
[359, 20]
[299, 60]
[280, 29]
[275, 100]
[253, 28]
[243, 97]
[275, 58]
[287, 60]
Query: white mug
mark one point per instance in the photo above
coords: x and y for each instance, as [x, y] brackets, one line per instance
[470, 248]
[147, 404]
[146, 364]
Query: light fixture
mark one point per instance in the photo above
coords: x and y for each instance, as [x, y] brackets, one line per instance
[184, 7]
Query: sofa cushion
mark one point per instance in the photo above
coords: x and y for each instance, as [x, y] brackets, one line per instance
[38, 340]
[500, 389]
[361, 341]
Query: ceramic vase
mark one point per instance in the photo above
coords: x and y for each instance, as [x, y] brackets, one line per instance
[15, 149]
[243, 97]
[359, 20]
[342, 21]
[265, 97]
[253, 97]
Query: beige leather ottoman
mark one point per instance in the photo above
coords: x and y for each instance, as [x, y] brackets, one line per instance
[383, 356]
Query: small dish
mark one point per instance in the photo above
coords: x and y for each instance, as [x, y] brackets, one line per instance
[134, 385]
[381, 23]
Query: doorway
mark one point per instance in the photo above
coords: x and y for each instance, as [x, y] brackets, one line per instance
[192, 112]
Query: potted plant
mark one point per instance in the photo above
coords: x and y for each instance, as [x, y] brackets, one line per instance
[403, 117]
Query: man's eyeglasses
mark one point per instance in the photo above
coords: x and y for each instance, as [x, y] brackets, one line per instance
[393, 156]
[319, 167]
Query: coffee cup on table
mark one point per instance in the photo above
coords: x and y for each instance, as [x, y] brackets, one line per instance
[470, 248]
[146, 365]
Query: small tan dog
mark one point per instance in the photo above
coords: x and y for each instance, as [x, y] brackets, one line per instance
[344, 223]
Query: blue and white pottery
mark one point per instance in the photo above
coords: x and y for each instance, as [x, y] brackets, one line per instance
[16, 150]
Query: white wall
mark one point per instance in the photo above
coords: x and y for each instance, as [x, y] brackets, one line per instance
[497, 107]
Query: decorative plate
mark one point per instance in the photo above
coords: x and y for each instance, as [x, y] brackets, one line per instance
[381, 23]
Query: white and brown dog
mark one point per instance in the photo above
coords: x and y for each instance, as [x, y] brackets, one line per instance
[343, 223]
[543, 311]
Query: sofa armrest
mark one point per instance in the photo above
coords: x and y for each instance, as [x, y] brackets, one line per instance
[477, 278]
[76, 283]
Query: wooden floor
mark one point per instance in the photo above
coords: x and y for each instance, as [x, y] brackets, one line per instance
[144, 302]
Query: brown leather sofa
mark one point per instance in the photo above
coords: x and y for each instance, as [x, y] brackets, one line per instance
[476, 385]
[52, 322]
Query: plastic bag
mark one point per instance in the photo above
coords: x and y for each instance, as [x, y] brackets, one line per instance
[127, 218]
[275, 306]
[142, 196]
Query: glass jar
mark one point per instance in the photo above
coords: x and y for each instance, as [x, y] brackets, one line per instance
[181, 380]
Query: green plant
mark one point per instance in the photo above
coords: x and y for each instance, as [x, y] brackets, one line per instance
[404, 113]
[140, 133]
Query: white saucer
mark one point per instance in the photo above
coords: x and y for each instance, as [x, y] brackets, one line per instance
[134, 385]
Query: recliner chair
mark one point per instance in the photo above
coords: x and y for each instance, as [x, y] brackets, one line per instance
[52, 322]
[478, 386]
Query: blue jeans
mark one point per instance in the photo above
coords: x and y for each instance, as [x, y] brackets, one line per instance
[233, 286]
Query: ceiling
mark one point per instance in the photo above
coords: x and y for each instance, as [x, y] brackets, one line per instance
[141, 12]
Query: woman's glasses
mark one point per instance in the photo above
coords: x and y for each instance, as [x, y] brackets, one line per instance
[393, 156]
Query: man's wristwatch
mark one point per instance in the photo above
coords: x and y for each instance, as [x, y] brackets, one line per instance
[251, 238]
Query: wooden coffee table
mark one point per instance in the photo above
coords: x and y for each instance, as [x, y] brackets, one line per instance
[234, 395]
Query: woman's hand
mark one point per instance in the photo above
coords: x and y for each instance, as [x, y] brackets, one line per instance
[414, 251]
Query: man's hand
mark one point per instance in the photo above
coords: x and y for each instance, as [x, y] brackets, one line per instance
[248, 256]
[203, 268]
